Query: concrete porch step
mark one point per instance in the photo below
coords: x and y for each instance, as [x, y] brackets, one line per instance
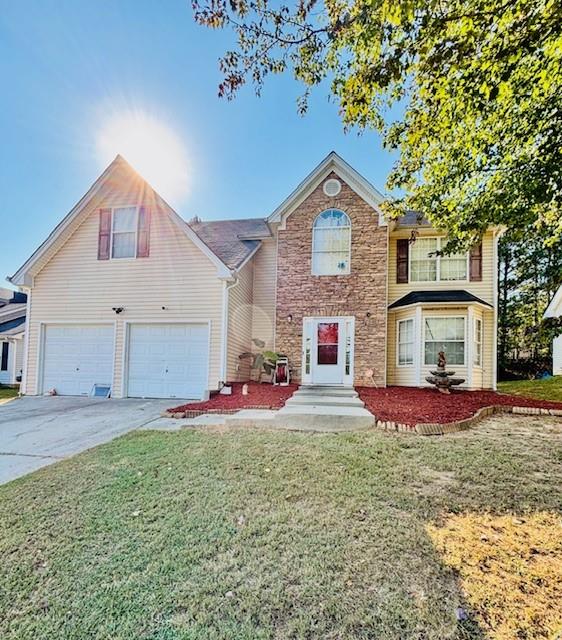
[323, 418]
[347, 392]
[321, 400]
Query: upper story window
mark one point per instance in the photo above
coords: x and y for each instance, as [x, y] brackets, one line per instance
[425, 266]
[124, 232]
[331, 243]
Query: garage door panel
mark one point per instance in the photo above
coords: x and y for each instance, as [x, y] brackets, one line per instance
[167, 361]
[77, 357]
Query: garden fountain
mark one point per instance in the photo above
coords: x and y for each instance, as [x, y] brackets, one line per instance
[442, 378]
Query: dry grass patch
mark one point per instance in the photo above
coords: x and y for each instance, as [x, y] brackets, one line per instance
[510, 570]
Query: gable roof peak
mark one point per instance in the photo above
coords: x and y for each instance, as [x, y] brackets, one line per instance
[332, 162]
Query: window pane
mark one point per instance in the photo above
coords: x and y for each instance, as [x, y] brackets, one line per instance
[332, 218]
[454, 352]
[405, 354]
[453, 267]
[444, 328]
[331, 239]
[405, 342]
[423, 267]
[328, 332]
[125, 219]
[330, 263]
[327, 354]
[124, 245]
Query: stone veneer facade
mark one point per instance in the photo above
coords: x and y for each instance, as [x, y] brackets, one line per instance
[361, 293]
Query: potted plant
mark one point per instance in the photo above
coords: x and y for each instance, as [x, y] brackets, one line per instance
[261, 361]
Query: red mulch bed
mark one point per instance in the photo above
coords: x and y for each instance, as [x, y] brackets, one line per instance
[411, 406]
[264, 396]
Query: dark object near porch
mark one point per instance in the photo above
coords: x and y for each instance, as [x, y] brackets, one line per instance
[442, 378]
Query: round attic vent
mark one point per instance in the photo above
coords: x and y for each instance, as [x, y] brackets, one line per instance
[332, 187]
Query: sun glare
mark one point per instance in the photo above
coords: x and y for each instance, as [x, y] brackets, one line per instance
[151, 147]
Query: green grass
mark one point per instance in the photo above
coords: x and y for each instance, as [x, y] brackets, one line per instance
[252, 535]
[8, 392]
[548, 389]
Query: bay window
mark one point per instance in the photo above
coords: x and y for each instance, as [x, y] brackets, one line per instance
[444, 334]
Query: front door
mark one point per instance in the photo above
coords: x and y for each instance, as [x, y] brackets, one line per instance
[328, 351]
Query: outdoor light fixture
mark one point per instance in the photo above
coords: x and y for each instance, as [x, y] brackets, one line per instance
[290, 318]
[117, 310]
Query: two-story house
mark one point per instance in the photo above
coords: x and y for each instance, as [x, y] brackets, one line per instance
[124, 292]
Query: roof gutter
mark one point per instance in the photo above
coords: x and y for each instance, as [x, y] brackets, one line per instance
[228, 284]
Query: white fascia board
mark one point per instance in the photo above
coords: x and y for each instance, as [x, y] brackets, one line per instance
[554, 309]
[332, 162]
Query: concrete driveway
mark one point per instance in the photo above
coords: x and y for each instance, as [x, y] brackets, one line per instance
[37, 431]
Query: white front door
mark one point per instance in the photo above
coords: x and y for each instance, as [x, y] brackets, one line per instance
[328, 351]
[168, 361]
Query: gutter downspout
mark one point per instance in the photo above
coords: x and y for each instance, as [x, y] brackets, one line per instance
[227, 286]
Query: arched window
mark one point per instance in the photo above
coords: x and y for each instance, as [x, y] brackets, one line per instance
[331, 243]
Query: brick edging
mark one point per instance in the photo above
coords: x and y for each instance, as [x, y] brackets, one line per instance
[194, 413]
[437, 429]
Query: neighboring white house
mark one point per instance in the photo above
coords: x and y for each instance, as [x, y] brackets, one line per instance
[554, 310]
[12, 329]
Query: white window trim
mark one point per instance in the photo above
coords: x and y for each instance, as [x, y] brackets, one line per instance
[438, 264]
[423, 340]
[125, 206]
[338, 273]
[413, 342]
[477, 345]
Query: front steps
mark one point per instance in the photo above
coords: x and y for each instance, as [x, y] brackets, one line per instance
[319, 408]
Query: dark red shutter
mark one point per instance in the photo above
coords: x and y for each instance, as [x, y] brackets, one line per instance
[143, 236]
[402, 249]
[476, 263]
[104, 234]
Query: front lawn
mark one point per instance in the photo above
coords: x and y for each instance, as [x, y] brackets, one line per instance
[547, 389]
[8, 392]
[250, 535]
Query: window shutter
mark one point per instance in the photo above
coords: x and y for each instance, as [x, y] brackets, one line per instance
[402, 249]
[5, 352]
[476, 263]
[104, 234]
[143, 236]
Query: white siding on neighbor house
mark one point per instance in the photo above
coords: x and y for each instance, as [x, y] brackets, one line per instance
[265, 275]
[240, 311]
[557, 356]
[177, 283]
[6, 376]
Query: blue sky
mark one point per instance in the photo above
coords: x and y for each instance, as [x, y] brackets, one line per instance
[66, 65]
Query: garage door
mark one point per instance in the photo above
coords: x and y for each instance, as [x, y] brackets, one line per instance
[168, 360]
[76, 357]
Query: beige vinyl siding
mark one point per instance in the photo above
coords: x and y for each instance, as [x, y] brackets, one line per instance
[76, 287]
[483, 289]
[265, 274]
[240, 324]
[481, 377]
[400, 375]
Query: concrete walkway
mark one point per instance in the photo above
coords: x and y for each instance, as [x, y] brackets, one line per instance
[37, 431]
